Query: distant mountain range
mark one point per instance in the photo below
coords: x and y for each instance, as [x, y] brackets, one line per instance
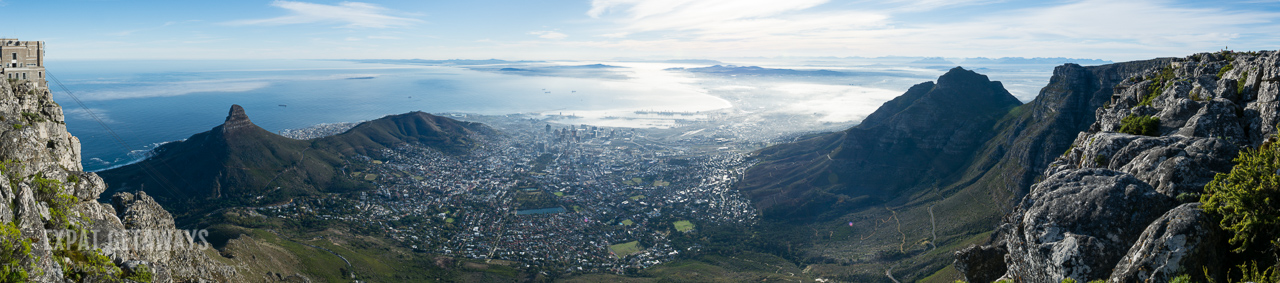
[972, 61]
[240, 164]
[455, 62]
[731, 70]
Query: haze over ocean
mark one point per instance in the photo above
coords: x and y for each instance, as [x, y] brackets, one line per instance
[151, 102]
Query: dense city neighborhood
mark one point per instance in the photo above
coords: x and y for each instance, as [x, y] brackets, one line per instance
[569, 199]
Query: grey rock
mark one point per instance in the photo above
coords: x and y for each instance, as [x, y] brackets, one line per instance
[1078, 223]
[1182, 241]
[983, 263]
[1206, 117]
[140, 211]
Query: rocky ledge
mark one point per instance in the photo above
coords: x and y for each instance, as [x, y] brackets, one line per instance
[1117, 205]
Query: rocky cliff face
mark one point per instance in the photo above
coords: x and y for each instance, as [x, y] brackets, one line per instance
[1107, 207]
[53, 227]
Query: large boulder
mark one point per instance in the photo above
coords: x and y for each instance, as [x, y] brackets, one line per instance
[983, 263]
[1078, 224]
[1185, 240]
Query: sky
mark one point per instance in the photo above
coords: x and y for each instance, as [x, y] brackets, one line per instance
[638, 29]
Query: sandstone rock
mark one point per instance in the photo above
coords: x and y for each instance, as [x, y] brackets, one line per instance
[1182, 241]
[983, 263]
[1078, 223]
[141, 211]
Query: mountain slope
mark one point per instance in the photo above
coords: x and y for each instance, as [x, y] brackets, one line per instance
[238, 163]
[922, 136]
[414, 127]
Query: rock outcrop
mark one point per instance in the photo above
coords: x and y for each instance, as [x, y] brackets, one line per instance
[1208, 106]
[1183, 241]
[1077, 223]
[51, 206]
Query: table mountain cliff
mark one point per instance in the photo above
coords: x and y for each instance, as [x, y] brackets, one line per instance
[1119, 204]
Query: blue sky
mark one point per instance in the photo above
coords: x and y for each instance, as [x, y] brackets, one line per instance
[607, 29]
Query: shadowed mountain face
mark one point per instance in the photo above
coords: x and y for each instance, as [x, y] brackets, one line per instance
[916, 140]
[240, 164]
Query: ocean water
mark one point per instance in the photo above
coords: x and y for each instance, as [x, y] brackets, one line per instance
[151, 102]
[147, 103]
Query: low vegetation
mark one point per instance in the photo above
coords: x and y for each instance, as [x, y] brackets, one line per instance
[1244, 197]
[1224, 70]
[83, 265]
[1154, 89]
[1145, 125]
[15, 255]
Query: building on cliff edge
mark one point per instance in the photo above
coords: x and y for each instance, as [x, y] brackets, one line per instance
[23, 61]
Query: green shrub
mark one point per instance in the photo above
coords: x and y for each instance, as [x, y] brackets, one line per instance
[1145, 125]
[1068, 280]
[73, 179]
[1101, 160]
[47, 187]
[60, 210]
[141, 274]
[18, 126]
[1188, 197]
[1251, 273]
[15, 255]
[87, 265]
[1181, 279]
[1154, 89]
[33, 117]
[1240, 83]
[1244, 197]
[1224, 70]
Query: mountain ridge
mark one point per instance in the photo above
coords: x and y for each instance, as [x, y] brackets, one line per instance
[238, 163]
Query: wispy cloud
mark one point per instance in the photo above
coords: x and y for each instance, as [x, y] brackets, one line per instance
[549, 34]
[1087, 28]
[352, 14]
[84, 114]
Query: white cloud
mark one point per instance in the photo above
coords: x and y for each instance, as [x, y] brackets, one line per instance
[89, 114]
[353, 14]
[549, 34]
[1088, 28]
[616, 35]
